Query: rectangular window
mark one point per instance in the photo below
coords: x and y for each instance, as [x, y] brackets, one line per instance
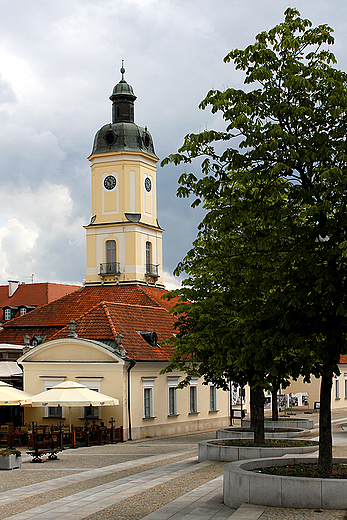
[193, 396]
[192, 399]
[213, 398]
[91, 412]
[172, 395]
[55, 412]
[147, 402]
[148, 397]
[345, 386]
[92, 383]
[172, 400]
[337, 388]
[7, 314]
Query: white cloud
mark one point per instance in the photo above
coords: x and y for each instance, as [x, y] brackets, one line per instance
[40, 234]
[171, 282]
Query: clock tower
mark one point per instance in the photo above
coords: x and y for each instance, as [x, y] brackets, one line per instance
[124, 239]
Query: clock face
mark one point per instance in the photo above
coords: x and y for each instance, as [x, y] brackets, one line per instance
[110, 182]
[148, 184]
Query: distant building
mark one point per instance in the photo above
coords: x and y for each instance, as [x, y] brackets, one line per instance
[16, 299]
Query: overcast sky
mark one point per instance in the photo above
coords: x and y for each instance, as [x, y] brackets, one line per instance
[59, 61]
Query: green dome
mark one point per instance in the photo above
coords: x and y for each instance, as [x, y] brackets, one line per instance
[123, 136]
[123, 89]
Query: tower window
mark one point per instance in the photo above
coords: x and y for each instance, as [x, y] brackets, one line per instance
[151, 269]
[111, 256]
[111, 266]
[148, 255]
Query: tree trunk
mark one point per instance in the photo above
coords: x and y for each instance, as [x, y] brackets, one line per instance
[252, 407]
[274, 403]
[325, 438]
[257, 406]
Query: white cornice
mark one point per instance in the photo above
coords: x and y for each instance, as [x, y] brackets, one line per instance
[121, 156]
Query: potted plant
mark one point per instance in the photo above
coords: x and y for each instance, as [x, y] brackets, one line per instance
[10, 458]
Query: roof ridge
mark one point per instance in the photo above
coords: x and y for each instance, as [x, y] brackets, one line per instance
[109, 319]
[102, 304]
[132, 305]
[149, 296]
[77, 319]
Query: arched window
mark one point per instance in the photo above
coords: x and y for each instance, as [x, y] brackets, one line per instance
[111, 256]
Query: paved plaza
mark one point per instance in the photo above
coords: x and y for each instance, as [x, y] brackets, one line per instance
[151, 479]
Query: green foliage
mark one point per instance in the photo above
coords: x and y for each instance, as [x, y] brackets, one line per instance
[266, 278]
[6, 452]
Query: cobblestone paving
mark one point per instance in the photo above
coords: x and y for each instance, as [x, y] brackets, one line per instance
[86, 470]
[277, 513]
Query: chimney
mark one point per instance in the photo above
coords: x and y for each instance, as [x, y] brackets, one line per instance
[12, 287]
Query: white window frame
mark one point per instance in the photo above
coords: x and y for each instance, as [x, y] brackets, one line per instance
[172, 391]
[92, 383]
[345, 385]
[148, 385]
[7, 314]
[49, 382]
[213, 391]
[193, 385]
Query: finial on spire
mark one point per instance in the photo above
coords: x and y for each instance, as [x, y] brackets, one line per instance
[122, 70]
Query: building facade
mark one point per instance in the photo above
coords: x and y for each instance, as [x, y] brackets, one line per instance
[111, 334]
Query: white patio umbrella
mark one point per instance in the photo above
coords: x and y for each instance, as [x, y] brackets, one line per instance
[10, 396]
[70, 393]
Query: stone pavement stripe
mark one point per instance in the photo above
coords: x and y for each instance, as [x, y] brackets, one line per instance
[88, 502]
[7, 497]
[202, 503]
[248, 512]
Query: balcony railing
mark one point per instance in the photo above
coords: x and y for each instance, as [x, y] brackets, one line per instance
[109, 268]
[151, 270]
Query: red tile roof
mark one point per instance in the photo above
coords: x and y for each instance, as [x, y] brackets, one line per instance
[101, 313]
[34, 294]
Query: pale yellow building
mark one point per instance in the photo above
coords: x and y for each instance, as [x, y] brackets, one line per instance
[150, 402]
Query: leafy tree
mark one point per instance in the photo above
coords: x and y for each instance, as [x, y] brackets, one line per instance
[229, 329]
[286, 130]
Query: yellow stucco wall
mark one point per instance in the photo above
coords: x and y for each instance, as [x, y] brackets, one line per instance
[72, 359]
[129, 194]
[109, 208]
[162, 423]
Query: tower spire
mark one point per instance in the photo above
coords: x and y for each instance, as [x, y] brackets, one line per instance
[123, 98]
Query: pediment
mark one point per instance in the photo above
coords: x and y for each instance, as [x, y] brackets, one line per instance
[70, 350]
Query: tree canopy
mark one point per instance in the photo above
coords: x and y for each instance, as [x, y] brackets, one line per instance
[267, 273]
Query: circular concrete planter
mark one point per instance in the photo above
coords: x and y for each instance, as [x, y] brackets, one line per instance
[241, 485]
[239, 433]
[306, 424]
[213, 450]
